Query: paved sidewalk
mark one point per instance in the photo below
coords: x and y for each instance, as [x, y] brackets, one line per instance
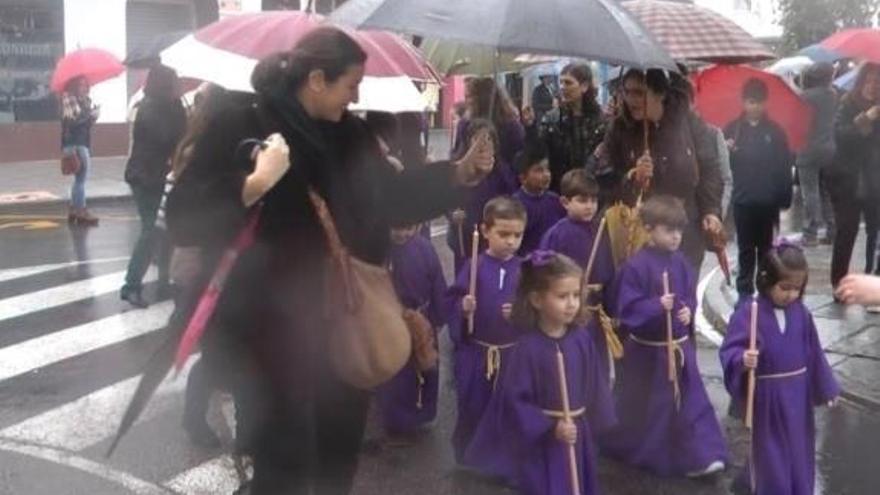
[850, 335]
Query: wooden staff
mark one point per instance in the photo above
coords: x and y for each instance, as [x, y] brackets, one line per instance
[566, 415]
[593, 251]
[670, 347]
[460, 224]
[753, 337]
[472, 290]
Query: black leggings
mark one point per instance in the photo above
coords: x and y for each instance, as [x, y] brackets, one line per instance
[848, 213]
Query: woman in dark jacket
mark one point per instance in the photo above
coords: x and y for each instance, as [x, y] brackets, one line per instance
[681, 159]
[854, 178]
[573, 130]
[303, 424]
[158, 126]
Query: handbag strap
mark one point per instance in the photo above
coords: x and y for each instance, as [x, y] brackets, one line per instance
[338, 251]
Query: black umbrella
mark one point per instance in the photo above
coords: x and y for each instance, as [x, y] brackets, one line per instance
[590, 29]
[145, 55]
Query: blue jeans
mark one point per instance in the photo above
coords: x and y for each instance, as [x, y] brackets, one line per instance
[78, 189]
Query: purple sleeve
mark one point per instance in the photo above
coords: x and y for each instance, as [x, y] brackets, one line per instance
[736, 341]
[823, 385]
[549, 240]
[690, 296]
[437, 313]
[460, 145]
[527, 420]
[454, 295]
[636, 308]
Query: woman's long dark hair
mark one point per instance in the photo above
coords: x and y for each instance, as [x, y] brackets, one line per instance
[208, 102]
[855, 94]
[326, 48]
[161, 83]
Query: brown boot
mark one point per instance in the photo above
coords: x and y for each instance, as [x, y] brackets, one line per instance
[83, 217]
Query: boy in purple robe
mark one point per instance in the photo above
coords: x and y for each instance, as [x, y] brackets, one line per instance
[409, 400]
[478, 356]
[667, 426]
[792, 376]
[574, 236]
[543, 206]
[501, 181]
[525, 436]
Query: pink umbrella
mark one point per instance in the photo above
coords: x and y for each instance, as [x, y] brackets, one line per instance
[94, 64]
[862, 44]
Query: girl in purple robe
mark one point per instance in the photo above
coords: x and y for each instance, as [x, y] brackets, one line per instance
[409, 400]
[501, 181]
[792, 376]
[543, 206]
[478, 356]
[666, 426]
[574, 237]
[525, 436]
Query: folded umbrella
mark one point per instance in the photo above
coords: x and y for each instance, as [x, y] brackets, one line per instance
[94, 64]
[691, 32]
[860, 43]
[591, 29]
[719, 101]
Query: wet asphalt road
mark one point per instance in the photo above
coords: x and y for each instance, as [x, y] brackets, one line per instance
[69, 382]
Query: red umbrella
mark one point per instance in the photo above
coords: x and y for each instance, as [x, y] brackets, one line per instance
[94, 64]
[691, 32]
[257, 35]
[719, 102]
[862, 44]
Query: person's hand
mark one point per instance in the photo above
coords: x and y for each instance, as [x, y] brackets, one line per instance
[833, 402]
[528, 116]
[684, 315]
[469, 304]
[731, 144]
[566, 432]
[873, 113]
[506, 310]
[272, 160]
[712, 224]
[644, 169]
[667, 301]
[477, 162]
[750, 359]
[458, 216]
[859, 289]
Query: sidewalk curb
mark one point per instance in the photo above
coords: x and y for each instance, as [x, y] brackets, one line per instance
[717, 308]
[63, 202]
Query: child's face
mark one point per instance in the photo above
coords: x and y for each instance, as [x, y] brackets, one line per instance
[665, 237]
[788, 290]
[401, 235]
[581, 208]
[754, 109]
[559, 305]
[537, 178]
[503, 237]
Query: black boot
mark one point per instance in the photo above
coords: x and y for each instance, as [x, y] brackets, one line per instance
[134, 297]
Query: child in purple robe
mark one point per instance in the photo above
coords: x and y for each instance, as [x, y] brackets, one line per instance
[525, 436]
[667, 426]
[792, 376]
[501, 181]
[574, 236]
[408, 401]
[543, 206]
[478, 356]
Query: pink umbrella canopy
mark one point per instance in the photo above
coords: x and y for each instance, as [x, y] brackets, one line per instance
[94, 64]
[691, 32]
[861, 44]
[257, 35]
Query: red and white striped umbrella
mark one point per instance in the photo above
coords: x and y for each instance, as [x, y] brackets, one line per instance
[691, 32]
[225, 53]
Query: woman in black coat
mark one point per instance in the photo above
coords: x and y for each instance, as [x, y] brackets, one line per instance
[158, 126]
[854, 178]
[301, 423]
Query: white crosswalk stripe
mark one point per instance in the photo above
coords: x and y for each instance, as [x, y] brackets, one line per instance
[74, 429]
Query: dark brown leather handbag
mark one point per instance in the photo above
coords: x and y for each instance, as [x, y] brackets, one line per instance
[370, 340]
[70, 163]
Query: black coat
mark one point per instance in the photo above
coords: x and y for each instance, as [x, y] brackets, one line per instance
[856, 169]
[761, 163]
[158, 126]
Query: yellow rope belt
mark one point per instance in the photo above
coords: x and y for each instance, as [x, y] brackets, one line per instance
[615, 347]
[679, 356]
[493, 357]
[787, 374]
[575, 413]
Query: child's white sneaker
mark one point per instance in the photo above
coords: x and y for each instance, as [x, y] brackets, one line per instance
[715, 467]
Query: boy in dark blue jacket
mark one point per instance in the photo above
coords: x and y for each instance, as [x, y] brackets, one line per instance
[761, 162]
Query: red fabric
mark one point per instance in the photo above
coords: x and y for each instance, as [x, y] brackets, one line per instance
[208, 301]
[861, 44]
[719, 101]
[691, 32]
[260, 34]
[95, 64]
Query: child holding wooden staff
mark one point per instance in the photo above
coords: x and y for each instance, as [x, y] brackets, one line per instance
[792, 375]
[582, 238]
[543, 205]
[666, 426]
[552, 397]
[478, 355]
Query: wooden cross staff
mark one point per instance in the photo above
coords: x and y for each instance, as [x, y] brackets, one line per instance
[566, 415]
[753, 337]
[472, 290]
